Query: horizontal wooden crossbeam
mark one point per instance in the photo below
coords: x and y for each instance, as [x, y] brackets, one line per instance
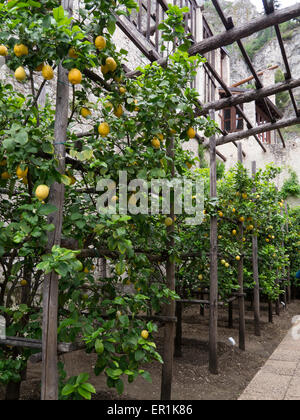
[34, 344]
[248, 29]
[249, 96]
[257, 130]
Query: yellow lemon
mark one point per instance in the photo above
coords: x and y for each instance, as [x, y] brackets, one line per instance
[145, 334]
[114, 199]
[233, 210]
[238, 258]
[86, 270]
[191, 133]
[226, 265]
[122, 90]
[85, 112]
[119, 111]
[104, 129]
[42, 192]
[189, 165]
[20, 74]
[223, 262]
[111, 64]
[20, 173]
[200, 277]
[155, 143]
[100, 43]
[75, 77]
[244, 195]
[169, 221]
[3, 50]
[25, 181]
[3, 162]
[5, 176]
[234, 232]
[47, 72]
[104, 69]
[73, 53]
[20, 49]
[23, 283]
[242, 219]
[221, 214]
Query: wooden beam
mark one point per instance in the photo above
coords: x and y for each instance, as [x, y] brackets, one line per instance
[247, 97]
[255, 263]
[213, 296]
[242, 322]
[246, 30]
[283, 123]
[170, 308]
[57, 195]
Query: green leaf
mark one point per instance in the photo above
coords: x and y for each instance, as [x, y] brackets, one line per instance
[82, 378]
[139, 355]
[89, 388]
[68, 389]
[85, 394]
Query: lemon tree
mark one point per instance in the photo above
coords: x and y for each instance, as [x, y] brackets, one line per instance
[121, 119]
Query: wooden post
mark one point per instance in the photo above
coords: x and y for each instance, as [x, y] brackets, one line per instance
[242, 324]
[288, 289]
[230, 315]
[256, 297]
[50, 294]
[169, 335]
[178, 338]
[213, 308]
[270, 304]
[202, 306]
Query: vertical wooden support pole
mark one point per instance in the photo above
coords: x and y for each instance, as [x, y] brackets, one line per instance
[256, 296]
[270, 304]
[178, 338]
[230, 314]
[169, 335]
[277, 303]
[57, 193]
[213, 308]
[242, 324]
[288, 288]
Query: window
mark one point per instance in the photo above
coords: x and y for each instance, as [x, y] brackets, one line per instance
[232, 120]
[261, 118]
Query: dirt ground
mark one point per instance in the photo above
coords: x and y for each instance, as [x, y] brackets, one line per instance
[192, 381]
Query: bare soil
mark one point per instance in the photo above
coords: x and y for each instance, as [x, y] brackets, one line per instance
[192, 380]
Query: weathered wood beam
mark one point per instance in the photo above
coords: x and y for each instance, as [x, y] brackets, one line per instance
[250, 96]
[283, 123]
[35, 344]
[240, 32]
[49, 388]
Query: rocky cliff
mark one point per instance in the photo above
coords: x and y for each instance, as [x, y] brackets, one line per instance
[263, 49]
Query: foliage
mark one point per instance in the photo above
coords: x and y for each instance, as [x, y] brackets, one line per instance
[291, 186]
[282, 98]
[159, 103]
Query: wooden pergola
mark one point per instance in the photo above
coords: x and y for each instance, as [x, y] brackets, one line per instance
[143, 31]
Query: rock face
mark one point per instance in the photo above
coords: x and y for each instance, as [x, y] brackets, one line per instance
[264, 57]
